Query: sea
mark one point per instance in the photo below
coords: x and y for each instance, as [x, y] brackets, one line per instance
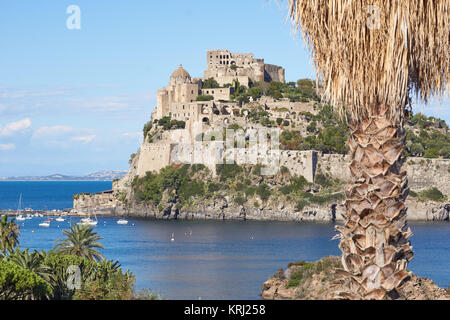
[207, 259]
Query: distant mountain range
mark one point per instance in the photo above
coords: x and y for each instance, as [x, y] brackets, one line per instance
[106, 175]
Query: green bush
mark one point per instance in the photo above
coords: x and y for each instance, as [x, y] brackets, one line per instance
[263, 191]
[323, 180]
[416, 149]
[214, 187]
[240, 200]
[17, 283]
[433, 194]
[203, 97]
[445, 152]
[210, 83]
[250, 191]
[147, 128]
[228, 171]
[431, 153]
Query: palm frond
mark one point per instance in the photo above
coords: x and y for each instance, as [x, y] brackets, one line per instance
[369, 53]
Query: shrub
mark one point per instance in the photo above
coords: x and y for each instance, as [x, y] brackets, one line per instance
[323, 180]
[433, 194]
[417, 149]
[250, 191]
[263, 191]
[210, 83]
[17, 283]
[240, 200]
[431, 153]
[132, 156]
[147, 128]
[228, 171]
[445, 152]
[214, 187]
[202, 97]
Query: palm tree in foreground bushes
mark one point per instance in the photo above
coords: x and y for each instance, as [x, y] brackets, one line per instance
[9, 235]
[370, 55]
[80, 241]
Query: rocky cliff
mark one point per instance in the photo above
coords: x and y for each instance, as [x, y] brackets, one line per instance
[319, 281]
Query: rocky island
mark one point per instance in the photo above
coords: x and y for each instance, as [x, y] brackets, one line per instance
[242, 143]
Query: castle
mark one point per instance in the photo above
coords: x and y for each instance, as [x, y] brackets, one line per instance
[179, 97]
[180, 100]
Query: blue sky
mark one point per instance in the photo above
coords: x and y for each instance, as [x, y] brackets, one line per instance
[75, 101]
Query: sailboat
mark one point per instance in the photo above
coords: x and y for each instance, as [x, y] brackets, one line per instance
[89, 221]
[19, 211]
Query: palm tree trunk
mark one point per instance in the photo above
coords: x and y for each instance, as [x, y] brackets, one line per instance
[374, 238]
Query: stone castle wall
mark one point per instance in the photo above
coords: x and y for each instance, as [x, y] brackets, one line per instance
[422, 173]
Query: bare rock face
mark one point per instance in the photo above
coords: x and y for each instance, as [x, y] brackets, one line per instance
[319, 281]
[428, 211]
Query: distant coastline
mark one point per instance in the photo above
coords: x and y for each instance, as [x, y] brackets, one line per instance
[105, 175]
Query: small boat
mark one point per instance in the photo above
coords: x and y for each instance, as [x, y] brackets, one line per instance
[122, 221]
[45, 224]
[59, 219]
[20, 217]
[88, 221]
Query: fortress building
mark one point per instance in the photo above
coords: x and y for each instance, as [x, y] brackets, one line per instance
[225, 66]
[179, 97]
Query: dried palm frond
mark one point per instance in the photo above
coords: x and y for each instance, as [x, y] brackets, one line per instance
[377, 52]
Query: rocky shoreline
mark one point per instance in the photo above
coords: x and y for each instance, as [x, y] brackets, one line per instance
[319, 281]
[220, 210]
[106, 204]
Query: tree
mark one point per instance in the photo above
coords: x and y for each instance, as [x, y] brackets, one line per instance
[80, 241]
[210, 83]
[32, 262]
[147, 128]
[369, 68]
[445, 152]
[17, 283]
[416, 149]
[9, 235]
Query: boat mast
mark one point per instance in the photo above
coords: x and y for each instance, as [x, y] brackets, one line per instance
[20, 205]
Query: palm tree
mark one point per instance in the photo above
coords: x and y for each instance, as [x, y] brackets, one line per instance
[32, 262]
[370, 55]
[81, 241]
[9, 235]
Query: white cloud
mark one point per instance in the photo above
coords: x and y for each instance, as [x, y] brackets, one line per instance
[7, 147]
[52, 131]
[14, 127]
[84, 139]
[132, 134]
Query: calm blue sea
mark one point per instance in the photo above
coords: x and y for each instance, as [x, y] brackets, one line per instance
[221, 259]
[46, 195]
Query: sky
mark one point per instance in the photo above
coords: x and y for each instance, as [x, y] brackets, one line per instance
[74, 101]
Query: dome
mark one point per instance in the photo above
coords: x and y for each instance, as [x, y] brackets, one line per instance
[180, 73]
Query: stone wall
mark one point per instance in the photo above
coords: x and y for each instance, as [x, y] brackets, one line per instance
[218, 93]
[422, 173]
[153, 157]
